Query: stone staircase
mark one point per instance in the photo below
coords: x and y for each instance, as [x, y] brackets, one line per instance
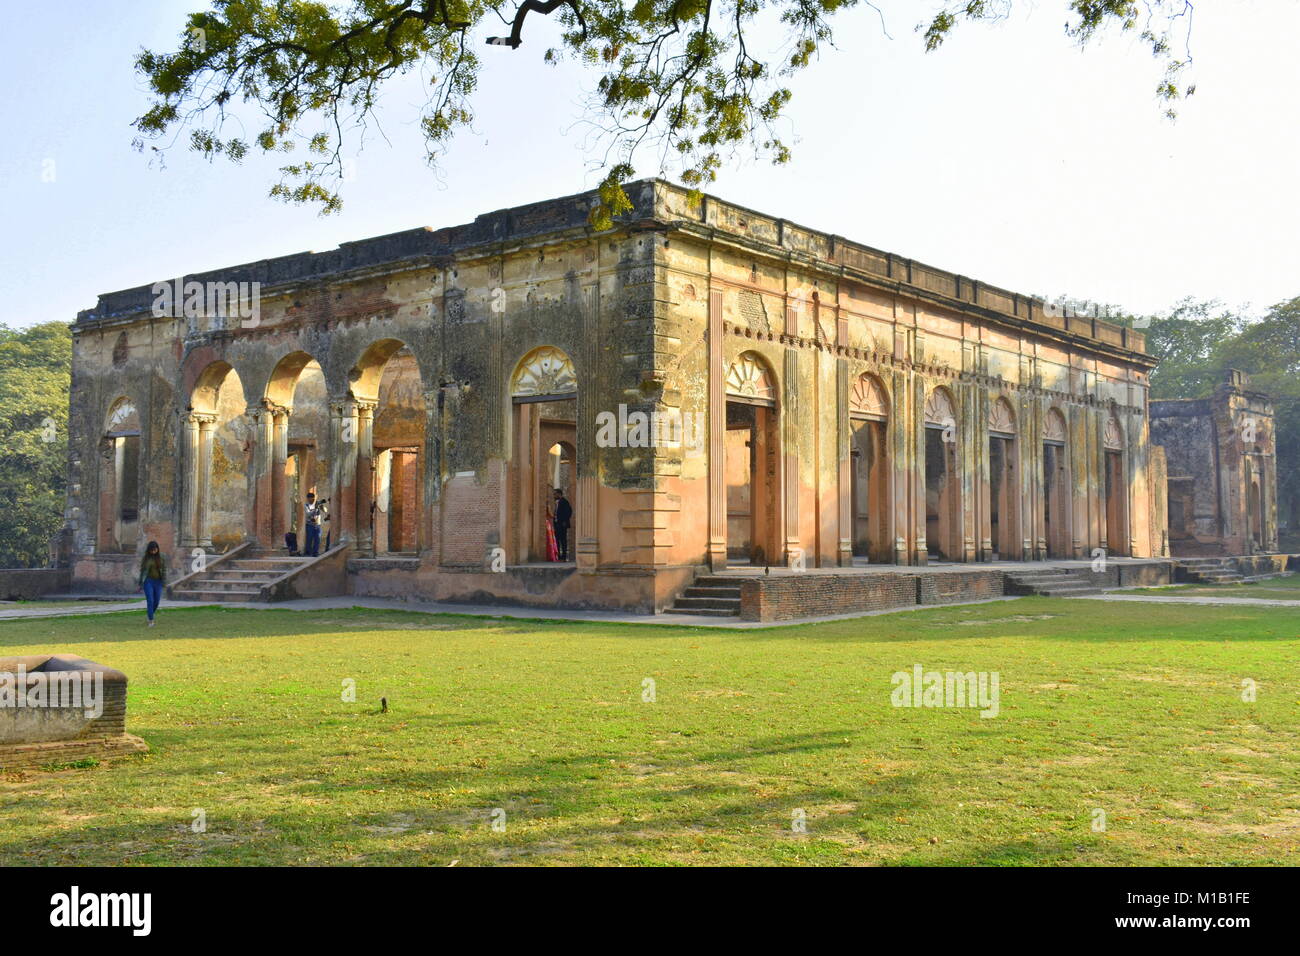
[709, 596]
[245, 577]
[1052, 582]
[1211, 571]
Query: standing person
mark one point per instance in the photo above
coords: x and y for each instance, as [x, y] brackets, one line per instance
[563, 519]
[153, 575]
[314, 514]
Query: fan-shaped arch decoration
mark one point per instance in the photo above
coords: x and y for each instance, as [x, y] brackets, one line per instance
[748, 378]
[939, 408]
[867, 398]
[1054, 426]
[1113, 437]
[544, 371]
[1001, 419]
[122, 418]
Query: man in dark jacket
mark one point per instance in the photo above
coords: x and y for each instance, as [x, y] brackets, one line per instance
[563, 519]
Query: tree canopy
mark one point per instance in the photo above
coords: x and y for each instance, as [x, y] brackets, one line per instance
[688, 80]
[34, 380]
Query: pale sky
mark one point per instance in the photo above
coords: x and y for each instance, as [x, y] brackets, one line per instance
[1008, 156]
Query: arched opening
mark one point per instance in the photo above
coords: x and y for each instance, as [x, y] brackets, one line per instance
[1116, 536]
[544, 410]
[390, 392]
[1056, 499]
[751, 463]
[942, 501]
[220, 438]
[1004, 484]
[119, 504]
[297, 401]
[870, 504]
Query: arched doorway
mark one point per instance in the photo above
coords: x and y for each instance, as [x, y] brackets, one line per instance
[119, 483]
[942, 499]
[544, 414]
[390, 399]
[751, 462]
[219, 440]
[1116, 537]
[1056, 498]
[297, 401]
[1254, 509]
[1004, 483]
[870, 507]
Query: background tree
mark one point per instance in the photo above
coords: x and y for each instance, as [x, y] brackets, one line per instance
[686, 79]
[34, 382]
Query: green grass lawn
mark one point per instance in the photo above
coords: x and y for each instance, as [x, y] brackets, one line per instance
[1274, 589]
[1133, 709]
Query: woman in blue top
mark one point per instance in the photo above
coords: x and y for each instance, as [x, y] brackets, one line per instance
[153, 574]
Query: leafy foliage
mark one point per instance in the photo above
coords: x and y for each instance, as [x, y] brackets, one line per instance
[34, 382]
[679, 76]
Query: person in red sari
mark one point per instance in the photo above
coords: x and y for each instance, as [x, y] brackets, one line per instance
[552, 550]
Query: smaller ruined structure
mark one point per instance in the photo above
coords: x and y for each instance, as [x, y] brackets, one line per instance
[56, 708]
[1222, 470]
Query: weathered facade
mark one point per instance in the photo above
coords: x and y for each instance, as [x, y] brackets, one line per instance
[1222, 470]
[708, 384]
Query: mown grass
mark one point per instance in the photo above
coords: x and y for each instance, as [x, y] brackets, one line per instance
[1285, 588]
[1132, 709]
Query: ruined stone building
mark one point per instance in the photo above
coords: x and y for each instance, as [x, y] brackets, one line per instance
[1222, 470]
[709, 385]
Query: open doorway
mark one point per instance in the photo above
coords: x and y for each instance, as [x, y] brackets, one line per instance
[750, 449]
[1004, 484]
[120, 480]
[544, 414]
[942, 501]
[1056, 501]
[1116, 536]
[870, 508]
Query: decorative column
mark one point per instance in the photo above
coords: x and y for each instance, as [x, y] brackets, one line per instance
[189, 482]
[844, 462]
[207, 430]
[280, 518]
[343, 472]
[365, 480]
[587, 546]
[717, 413]
[263, 497]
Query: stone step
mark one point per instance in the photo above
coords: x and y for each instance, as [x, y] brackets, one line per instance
[703, 611]
[205, 594]
[699, 603]
[706, 591]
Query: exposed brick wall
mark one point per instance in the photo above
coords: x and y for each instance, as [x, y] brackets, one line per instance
[787, 597]
[958, 586]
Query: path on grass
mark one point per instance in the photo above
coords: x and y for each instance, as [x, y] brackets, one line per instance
[1189, 599]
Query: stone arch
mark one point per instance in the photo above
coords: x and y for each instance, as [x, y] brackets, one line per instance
[1054, 426]
[1113, 436]
[388, 388]
[218, 485]
[544, 371]
[283, 380]
[1115, 486]
[749, 378]
[295, 457]
[868, 398]
[1002, 417]
[940, 408]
